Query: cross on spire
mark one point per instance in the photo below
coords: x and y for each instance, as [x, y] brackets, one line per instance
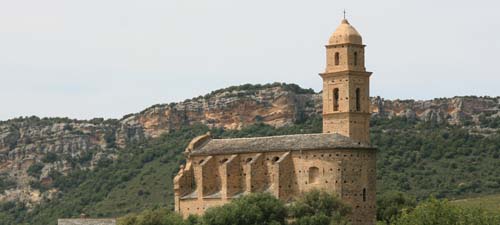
[344, 13]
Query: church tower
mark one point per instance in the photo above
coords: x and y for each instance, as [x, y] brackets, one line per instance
[346, 85]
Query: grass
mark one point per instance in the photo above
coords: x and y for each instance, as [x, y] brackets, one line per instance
[488, 202]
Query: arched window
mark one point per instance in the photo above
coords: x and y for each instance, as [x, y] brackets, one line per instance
[337, 58]
[358, 104]
[364, 194]
[313, 175]
[336, 99]
[355, 58]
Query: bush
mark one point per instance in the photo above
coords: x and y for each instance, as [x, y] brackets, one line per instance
[153, 217]
[50, 157]
[258, 208]
[6, 183]
[435, 211]
[318, 208]
[35, 170]
[391, 204]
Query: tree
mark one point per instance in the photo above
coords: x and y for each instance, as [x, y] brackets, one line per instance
[153, 217]
[317, 208]
[50, 157]
[35, 170]
[252, 209]
[391, 204]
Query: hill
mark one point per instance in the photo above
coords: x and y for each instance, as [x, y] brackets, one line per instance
[57, 167]
[488, 202]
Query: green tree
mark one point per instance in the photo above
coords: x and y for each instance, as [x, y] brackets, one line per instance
[318, 208]
[253, 209]
[391, 204]
[50, 157]
[161, 216]
[35, 170]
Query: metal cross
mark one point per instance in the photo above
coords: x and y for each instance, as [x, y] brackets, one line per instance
[344, 13]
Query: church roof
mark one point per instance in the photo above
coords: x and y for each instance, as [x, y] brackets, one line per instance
[277, 143]
[345, 34]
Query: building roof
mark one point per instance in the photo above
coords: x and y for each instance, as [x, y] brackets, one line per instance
[345, 34]
[277, 143]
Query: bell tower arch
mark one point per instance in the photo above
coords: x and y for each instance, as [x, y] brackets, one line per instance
[346, 85]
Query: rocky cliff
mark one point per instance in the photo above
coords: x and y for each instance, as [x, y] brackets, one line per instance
[30, 148]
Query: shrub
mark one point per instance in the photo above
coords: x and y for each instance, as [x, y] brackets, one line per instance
[318, 208]
[435, 211]
[161, 216]
[50, 157]
[35, 170]
[258, 208]
[391, 204]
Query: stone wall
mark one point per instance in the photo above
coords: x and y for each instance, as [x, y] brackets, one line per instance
[348, 173]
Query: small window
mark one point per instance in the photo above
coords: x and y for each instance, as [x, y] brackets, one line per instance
[337, 58]
[358, 104]
[364, 194]
[355, 58]
[336, 99]
[276, 158]
[313, 175]
[249, 160]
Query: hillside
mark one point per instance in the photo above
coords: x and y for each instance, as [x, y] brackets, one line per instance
[488, 202]
[109, 168]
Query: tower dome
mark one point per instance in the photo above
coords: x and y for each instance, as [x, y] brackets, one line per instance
[345, 34]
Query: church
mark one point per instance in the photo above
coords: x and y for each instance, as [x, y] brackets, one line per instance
[340, 160]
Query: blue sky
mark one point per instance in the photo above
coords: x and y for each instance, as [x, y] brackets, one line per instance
[85, 59]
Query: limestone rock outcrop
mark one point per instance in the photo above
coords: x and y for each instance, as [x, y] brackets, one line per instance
[26, 141]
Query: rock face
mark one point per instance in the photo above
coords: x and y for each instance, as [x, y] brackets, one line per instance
[457, 110]
[61, 145]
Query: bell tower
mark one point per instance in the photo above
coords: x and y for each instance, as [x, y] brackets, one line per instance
[346, 85]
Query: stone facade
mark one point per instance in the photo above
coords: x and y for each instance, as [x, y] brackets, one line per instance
[340, 160]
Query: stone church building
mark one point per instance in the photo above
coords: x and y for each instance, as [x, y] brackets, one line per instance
[339, 160]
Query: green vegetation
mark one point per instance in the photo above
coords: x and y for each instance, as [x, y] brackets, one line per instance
[161, 216]
[426, 159]
[35, 170]
[50, 157]
[391, 204]
[253, 88]
[6, 183]
[435, 211]
[313, 208]
[317, 207]
[419, 158]
[259, 208]
[488, 202]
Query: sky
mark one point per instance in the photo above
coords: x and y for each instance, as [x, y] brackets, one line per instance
[108, 58]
